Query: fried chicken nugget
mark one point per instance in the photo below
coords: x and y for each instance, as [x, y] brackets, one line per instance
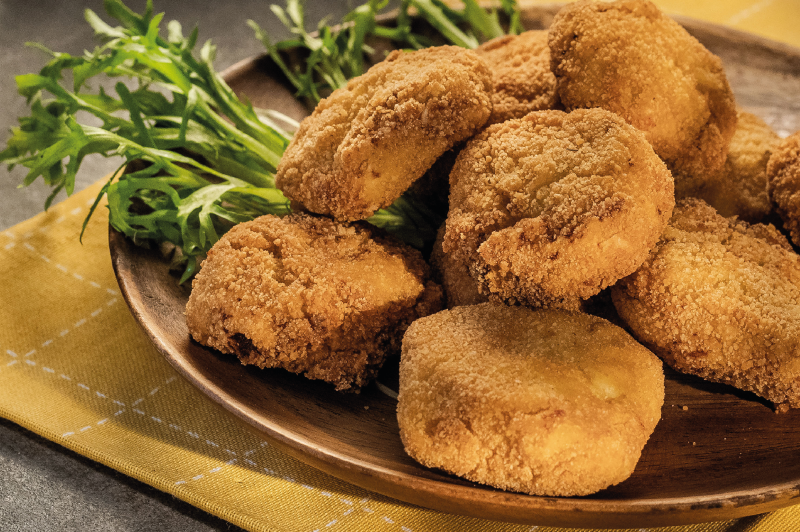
[720, 298]
[545, 402]
[553, 207]
[783, 183]
[310, 295]
[628, 57]
[523, 82]
[366, 143]
[740, 189]
[459, 286]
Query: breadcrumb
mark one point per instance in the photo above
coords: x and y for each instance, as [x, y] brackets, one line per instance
[523, 82]
[551, 208]
[628, 57]
[545, 402]
[459, 286]
[740, 189]
[783, 183]
[310, 295]
[720, 298]
[366, 143]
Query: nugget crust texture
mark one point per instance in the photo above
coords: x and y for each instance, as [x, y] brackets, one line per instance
[628, 57]
[720, 299]
[459, 286]
[366, 143]
[553, 207]
[523, 82]
[545, 402]
[326, 299]
[783, 183]
[740, 189]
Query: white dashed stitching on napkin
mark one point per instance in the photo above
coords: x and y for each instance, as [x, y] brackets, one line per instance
[748, 12]
[65, 332]
[65, 270]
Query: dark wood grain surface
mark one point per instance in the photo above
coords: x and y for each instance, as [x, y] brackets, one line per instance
[717, 453]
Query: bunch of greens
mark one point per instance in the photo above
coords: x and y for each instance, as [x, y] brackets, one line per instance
[335, 54]
[199, 160]
[206, 160]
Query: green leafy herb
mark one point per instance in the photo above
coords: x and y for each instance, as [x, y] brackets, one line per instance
[335, 54]
[206, 160]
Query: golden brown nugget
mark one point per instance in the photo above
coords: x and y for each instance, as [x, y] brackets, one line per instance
[628, 57]
[329, 300]
[523, 82]
[553, 207]
[458, 285]
[740, 189]
[720, 299]
[545, 402]
[783, 183]
[366, 143]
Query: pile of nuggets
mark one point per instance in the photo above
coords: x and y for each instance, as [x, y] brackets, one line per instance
[563, 154]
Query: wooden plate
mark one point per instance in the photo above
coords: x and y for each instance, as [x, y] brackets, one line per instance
[716, 454]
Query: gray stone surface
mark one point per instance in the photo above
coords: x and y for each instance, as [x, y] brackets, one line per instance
[44, 487]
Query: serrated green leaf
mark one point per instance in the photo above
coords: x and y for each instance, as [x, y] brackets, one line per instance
[135, 114]
[100, 27]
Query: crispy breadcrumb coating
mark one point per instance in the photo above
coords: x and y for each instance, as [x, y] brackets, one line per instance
[523, 82]
[329, 300]
[740, 189]
[459, 286]
[628, 57]
[366, 143]
[720, 299]
[553, 207]
[545, 402]
[783, 183]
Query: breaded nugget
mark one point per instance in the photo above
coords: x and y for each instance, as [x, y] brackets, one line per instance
[523, 82]
[459, 286]
[628, 57]
[366, 143]
[545, 402]
[720, 299]
[740, 188]
[310, 295]
[553, 207]
[783, 183]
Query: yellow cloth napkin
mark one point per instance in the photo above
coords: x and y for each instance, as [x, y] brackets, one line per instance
[76, 368]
